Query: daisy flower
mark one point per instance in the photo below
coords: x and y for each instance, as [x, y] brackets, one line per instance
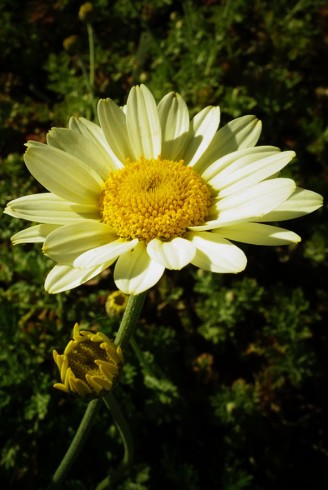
[151, 189]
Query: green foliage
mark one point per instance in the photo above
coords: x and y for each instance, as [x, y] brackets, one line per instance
[226, 307]
[137, 481]
[224, 385]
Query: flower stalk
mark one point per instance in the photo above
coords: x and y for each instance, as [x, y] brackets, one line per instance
[129, 320]
[123, 428]
[92, 67]
[76, 446]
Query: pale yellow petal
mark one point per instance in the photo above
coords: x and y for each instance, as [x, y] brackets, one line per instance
[88, 129]
[237, 160]
[143, 124]
[174, 119]
[98, 255]
[214, 253]
[63, 174]
[64, 277]
[94, 133]
[250, 171]
[49, 208]
[113, 123]
[33, 234]
[135, 271]
[249, 204]
[66, 243]
[88, 151]
[300, 203]
[173, 254]
[258, 234]
[238, 134]
[201, 132]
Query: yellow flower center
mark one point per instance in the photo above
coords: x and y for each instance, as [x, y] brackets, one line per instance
[154, 198]
[82, 359]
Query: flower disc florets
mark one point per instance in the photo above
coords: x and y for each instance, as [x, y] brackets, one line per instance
[154, 198]
[90, 364]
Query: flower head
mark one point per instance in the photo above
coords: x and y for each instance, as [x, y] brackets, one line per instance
[86, 12]
[116, 303]
[151, 189]
[90, 364]
[71, 43]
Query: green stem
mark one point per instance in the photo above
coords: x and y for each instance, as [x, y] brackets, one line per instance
[113, 406]
[91, 56]
[140, 356]
[91, 66]
[129, 320]
[84, 74]
[127, 326]
[76, 445]
[123, 428]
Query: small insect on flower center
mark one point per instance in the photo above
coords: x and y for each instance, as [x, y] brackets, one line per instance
[154, 198]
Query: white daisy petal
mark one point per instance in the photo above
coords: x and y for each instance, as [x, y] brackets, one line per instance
[258, 199]
[90, 152]
[174, 119]
[35, 144]
[258, 234]
[63, 174]
[248, 171]
[237, 160]
[94, 133]
[301, 202]
[33, 234]
[63, 277]
[174, 254]
[143, 124]
[48, 208]
[113, 122]
[242, 132]
[202, 130]
[104, 253]
[66, 243]
[88, 129]
[238, 134]
[250, 203]
[214, 253]
[135, 271]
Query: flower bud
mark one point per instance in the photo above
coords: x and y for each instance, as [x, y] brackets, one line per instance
[90, 364]
[70, 44]
[86, 12]
[116, 303]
